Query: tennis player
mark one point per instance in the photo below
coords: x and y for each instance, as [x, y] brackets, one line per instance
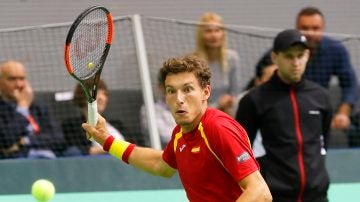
[208, 148]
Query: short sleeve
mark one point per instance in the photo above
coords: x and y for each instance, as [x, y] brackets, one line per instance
[169, 153]
[231, 144]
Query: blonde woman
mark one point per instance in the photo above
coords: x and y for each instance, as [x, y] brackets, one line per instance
[211, 45]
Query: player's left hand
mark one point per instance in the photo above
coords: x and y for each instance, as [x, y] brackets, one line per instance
[340, 122]
[99, 132]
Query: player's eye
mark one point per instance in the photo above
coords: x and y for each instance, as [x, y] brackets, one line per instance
[188, 89]
[169, 91]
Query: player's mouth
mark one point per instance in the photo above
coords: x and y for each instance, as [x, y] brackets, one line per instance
[180, 112]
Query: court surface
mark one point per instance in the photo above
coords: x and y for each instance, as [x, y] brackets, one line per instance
[338, 193]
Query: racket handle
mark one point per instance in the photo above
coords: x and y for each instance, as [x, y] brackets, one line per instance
[92, 115]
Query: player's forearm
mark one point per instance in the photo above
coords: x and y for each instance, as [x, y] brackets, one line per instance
[255, 195]
[258, 194]
[254, 189]
[146, 159]
[150, 161]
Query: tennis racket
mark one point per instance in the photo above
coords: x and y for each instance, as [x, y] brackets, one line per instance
[86, 48]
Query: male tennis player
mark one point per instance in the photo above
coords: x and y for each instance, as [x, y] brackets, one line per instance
[208, 148]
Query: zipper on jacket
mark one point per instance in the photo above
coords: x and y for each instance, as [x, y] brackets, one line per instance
[300, 144]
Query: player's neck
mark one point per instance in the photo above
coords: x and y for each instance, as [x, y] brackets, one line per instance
[186, 128]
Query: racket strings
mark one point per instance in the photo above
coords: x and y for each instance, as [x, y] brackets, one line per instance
[89, 42]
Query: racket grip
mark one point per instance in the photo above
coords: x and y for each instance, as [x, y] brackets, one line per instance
[92, 115]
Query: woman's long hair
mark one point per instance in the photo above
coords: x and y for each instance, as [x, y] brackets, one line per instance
[201, 49]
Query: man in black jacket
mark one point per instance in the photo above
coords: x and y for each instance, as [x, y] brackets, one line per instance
[293, 116]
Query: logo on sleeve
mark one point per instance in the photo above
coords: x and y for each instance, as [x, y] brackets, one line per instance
[243, 157]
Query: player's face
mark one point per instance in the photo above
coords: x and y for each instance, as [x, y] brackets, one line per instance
[213, 35]
[102, 100]
[291, 63]
[186, 99]
[312, 26]
[12, 78]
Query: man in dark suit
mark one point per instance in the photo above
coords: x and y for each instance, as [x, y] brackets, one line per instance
[26, 128]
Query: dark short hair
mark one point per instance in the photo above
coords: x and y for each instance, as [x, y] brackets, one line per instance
[309, 11]
[188, 63]
[264, 62]
[79, 96]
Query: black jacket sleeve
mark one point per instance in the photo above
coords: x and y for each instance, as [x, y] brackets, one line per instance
[247, 116]
[327, 118]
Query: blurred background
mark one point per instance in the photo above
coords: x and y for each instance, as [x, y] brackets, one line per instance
[263, 13]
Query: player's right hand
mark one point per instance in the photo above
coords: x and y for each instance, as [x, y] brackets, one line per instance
[99, 133]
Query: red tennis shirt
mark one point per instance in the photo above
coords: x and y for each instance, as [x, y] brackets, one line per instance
[212, 159]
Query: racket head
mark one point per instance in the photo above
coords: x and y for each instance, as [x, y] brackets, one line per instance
[87, 45]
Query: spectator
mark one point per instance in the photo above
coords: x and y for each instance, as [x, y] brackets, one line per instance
[75, 137]
[209, 149]
[293, 116]
[329, 57]
[211, 45]
[164, 120]
[26, 128]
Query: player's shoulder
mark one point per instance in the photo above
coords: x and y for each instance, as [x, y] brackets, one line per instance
[214, 118]
[212, 113]
[216, 122]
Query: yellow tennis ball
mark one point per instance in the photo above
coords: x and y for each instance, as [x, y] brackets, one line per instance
[43, 190]
[90, 65]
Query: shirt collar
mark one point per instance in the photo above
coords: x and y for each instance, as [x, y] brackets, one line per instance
[275, 79]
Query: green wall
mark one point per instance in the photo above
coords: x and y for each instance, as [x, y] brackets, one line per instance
[89, 174]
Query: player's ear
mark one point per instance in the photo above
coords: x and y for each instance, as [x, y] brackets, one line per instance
[206, 92]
